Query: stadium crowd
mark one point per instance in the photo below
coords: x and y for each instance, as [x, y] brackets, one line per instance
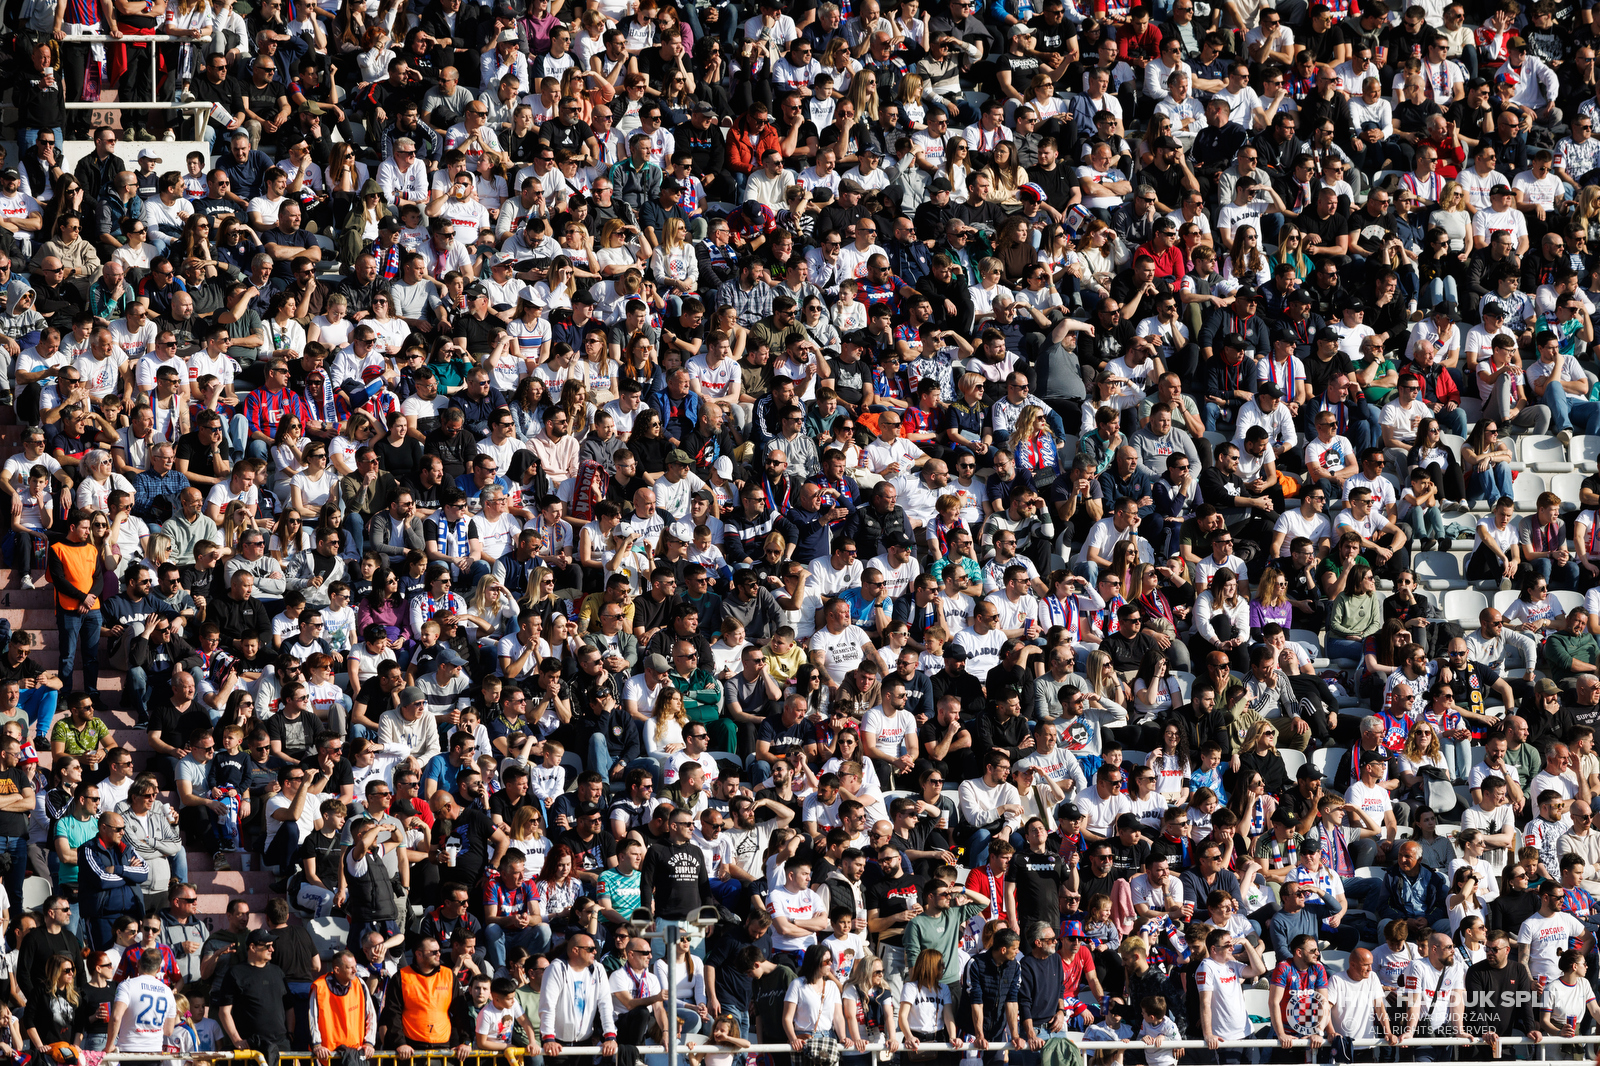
[1008, 513]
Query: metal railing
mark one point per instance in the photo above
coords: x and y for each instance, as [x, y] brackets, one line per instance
[155, 75]
[878, 1045]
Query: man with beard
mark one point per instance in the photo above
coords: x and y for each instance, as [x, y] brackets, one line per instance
[1500, 995]
[891, 903]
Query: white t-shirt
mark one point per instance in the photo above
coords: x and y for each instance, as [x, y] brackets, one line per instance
[1568, 1003]
[1229, 1019]
[1350, 1003]
[927, 1006]
[843, 651]
[1424, 979]
[796, 907]
[1547, 939]
[889, 733]
[813, 1010]
[1293, 524]
[1373, 802]
[983, 650]
[150, 1006]
[496, 1024]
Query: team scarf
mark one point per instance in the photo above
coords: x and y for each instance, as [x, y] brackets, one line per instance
[460, 536]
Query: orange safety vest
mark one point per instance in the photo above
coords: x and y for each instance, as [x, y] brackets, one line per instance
[79, 562]
[341, 1020]
[426, 1018]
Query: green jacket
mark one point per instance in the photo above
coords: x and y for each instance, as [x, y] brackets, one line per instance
[940, 933]
[702, 695]
[1561, 650]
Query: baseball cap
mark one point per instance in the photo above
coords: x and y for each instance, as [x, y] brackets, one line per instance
[446, 655]
[1021, 29]
[1267, 388]
[678, 455]
[1129, 822]
[506, 37]
[1309, 773]
[658, 663]
[1493, 308]
[149, 153]
[723, 467]
[681, 531]
[955, 651]
[940, 184]
[411, 694]
[585, 808]
[1034, 190]
[262, 936]
[1327, 333]
[704, 107]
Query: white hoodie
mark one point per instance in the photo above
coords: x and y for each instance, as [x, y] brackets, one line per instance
[568, 1000]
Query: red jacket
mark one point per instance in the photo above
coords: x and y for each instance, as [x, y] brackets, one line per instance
[745, 148]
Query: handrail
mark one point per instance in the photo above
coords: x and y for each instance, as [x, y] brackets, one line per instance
[155, 74]
[1076, 1038]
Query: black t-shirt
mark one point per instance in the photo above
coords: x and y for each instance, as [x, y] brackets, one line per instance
[480, 333]
[1038, 880]
[472, 831]
[12, 783]
[596, 853]
[1127, 861]
[765, 815]
[296, 736]
[282, 268]
[1319, 372]
[1047, 38]
[1325, 230]
[199, 456]
[174, 726]
[733, 985]
[1324, 46]
[23, 671]
[258, 995]
[889, 898]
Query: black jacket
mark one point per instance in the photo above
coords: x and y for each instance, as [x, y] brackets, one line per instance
[237, 620]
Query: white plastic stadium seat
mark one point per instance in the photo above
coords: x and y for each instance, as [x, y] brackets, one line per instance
[1463, 606]
[1327, 759]
[1526, 490]
[1505, 599]
[1292, 760]
[1568, 600]
[1437, 570]
[1584, 451]
[1568, 486]
[1545, 454]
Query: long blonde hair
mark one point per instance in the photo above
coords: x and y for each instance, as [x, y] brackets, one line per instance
[530, 598]
[1029, 423]
[1097, 672]
[864, 97]
[1414, 752]
[664, 703]
[1267, 588]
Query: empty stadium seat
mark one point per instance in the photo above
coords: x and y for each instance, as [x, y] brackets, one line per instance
[1544, 454]
[1568, 487]
[1437, 571]
[1584, 451]
[1327, 759]
[1463, 606]
[1292, 760]
[1526, 489]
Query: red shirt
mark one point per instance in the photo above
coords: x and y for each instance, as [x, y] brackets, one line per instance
[1169, 264]
[1148, 42]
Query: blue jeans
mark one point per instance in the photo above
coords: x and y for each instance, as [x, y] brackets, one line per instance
[1345, 649]
[535, 940]
[1559, 577]
[26, 137]
[1089, 570]
[17, 848]
[1490, 484]
[138, 689]
[978, 848]
[40, 703]
[1427, 522]
[600, 758]
[355, 530]
[469, 578]
[237, 428]
[1440, 288]
[1568, 413]
[74, 628]
[258, 449]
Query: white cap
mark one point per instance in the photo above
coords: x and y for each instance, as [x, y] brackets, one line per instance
[723, 467]
[149, 153]
[681, 531]
[529, 295]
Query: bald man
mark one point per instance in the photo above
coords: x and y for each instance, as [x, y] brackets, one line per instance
[1356, 998]
[1439, 978]
[1583, 840]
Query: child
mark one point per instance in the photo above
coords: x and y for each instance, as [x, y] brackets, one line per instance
[413, 227]
[498, 1017]
[548, 780]
[724, 1033]
[784, 657]
[208, 1033]
[1209, 775]
[194, 176]
[848, 947]
[29, 525]
[820, 108]
[479, 995]
[1098, 928]
[708, 555]
[1158, 1026]
[1201, 806]
[1419, 508]
[287, 623]
[370, 562]
[470, 721]
[728, 649]
[427, 650]
[339, 620]
[490, 769]
[410, 580]
[931, 661]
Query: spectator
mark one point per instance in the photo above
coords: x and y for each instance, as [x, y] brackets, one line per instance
[110, 868]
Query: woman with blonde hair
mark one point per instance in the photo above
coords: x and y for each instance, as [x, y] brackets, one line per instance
[1043, 99]
[1109, 695]
[615, 254]
[840, 65]
[598, 376]
[1271, 603]
[1290, 243]
[561, 284]
[1421, 750]
[1454, 217]
[491, 611]
[540, 593]
[236, 522]
[1244, 261]
[50, 1014]
[1007, 174]
[94, 491]
[675, 266]
[528, 836]
[864, 95]
[909, 97]
[1587, 213]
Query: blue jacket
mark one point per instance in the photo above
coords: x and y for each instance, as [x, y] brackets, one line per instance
[106, 880]
[688, 412]
[1422, 896]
